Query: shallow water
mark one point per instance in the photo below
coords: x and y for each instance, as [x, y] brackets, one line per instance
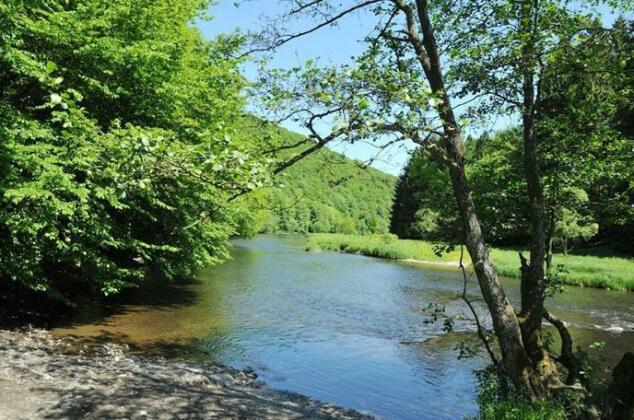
[343, 328]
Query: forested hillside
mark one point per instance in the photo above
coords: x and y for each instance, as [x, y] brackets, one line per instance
[324, 192]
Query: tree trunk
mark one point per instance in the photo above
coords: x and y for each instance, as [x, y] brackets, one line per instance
[505, 323]
[622, 389]
[550, 233]
[533, 283]
[525, 357]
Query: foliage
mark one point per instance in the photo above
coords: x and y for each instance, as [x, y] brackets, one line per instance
[125, 143]
[495, 173]
[577, 199]
[116, 152]
[324, 192]
[424, 206]
[585, 148]
[495, 404]
[571, 226]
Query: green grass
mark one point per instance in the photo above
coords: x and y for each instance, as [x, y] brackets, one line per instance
[382, 246]
[580, 270]
[494, 405]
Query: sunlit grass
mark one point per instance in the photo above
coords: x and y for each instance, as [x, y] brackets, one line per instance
[383, 246]
[581, 270]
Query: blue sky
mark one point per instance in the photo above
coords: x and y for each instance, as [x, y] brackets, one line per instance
[331, 45]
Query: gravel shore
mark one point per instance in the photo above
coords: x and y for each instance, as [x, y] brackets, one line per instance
[43, 377]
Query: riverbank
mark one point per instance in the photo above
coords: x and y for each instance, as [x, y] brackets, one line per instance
[579, 270]
[46, 377]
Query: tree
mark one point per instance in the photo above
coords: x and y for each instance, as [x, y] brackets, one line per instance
[398, 89]
[116, 153]
[394, 85]
[572, 226]
[582, 146]
[423, 204]
[493, 165]
[511, 52]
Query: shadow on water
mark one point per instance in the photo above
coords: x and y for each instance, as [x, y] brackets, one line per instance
[151, 305]
[94, 322]
[152, 293]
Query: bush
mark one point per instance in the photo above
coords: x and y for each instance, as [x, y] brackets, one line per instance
[496, 404]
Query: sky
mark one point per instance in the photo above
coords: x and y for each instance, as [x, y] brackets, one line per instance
[332, 45]
[328, 46]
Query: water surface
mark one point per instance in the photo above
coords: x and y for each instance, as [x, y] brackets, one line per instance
[346, 329]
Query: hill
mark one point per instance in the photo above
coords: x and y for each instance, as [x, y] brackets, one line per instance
[325, 192]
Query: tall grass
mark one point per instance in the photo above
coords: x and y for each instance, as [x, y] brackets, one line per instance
[581, 270]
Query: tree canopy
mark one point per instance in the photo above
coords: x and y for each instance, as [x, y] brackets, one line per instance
[127, 146]
[119, 144]
[585, 153]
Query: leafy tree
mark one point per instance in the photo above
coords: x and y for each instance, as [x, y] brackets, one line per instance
[423, 205]
[572, 226]
[116, 151]
[399, 89]
[495, 173]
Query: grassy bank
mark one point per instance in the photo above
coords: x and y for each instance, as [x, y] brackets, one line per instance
[581, 270]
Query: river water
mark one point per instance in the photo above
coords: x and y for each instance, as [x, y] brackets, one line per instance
[342, 328]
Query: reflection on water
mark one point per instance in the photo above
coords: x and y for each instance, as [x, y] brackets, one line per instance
[342, 328]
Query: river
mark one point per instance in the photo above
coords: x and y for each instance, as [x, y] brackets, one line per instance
[346, 329]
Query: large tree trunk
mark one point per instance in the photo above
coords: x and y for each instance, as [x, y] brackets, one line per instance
[515, 361]
[505, 323]
[550, 234]
[533, 284]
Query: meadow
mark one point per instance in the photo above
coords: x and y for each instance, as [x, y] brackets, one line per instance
[573, 269]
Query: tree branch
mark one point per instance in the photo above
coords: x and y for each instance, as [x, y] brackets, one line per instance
[285, 38]
[567, 356]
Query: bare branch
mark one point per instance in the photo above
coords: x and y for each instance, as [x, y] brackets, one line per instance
[285, 38]
[304, 140]
[302, 7]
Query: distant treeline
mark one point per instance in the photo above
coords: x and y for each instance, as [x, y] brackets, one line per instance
[587, 146]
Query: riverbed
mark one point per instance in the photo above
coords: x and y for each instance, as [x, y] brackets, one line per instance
[346, 329]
